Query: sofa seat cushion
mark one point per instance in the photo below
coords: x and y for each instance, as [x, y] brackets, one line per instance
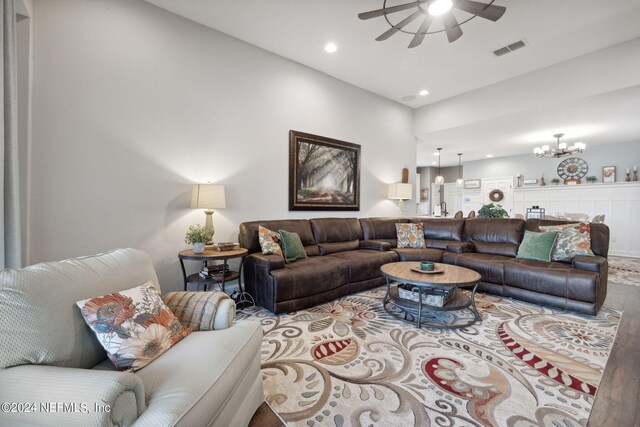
[490, 267]
[422, 254]
[551, 278]
[191, 382]
[364, 263]
[310, 276]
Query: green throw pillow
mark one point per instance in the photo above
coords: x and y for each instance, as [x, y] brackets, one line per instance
[538, 246]
[291, 246]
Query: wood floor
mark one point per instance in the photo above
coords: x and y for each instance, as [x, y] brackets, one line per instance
[618, 398]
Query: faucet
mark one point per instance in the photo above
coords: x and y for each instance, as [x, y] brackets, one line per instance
[443, 208]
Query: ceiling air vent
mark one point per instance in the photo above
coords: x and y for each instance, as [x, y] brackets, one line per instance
[509, 48]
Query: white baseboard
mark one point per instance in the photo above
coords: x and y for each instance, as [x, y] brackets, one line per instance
[631, 254]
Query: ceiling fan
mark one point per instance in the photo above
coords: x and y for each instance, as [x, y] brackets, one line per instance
[430, 10]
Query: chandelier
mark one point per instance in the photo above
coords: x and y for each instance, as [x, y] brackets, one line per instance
[560, 150]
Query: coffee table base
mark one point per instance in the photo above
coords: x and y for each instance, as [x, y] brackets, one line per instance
[418, 310]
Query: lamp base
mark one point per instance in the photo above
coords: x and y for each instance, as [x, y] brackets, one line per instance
[208, 223]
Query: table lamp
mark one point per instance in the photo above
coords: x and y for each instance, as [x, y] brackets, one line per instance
[400, 192]
[208, 197]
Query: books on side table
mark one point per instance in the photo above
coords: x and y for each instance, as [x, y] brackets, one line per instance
[211, 271]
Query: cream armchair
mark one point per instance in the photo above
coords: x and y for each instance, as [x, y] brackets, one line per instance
[53, 371]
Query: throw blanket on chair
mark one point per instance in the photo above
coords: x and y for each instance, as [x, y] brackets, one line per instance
[196, 310]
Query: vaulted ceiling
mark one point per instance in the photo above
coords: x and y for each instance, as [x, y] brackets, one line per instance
[554, 32]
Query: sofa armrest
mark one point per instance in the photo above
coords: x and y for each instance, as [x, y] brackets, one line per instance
[202, 311]
[597, 264]
[460, 247]
[268, 262]
[53, 395]
[377, 245]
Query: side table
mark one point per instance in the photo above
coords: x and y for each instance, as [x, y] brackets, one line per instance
[213, 254]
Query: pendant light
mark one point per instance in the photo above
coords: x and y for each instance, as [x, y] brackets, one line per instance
[439, 179]
[459, 181]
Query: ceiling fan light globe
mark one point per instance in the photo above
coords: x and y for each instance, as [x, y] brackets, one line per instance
[562, 145]
[440, 7]
[537, 150]
[545, 148]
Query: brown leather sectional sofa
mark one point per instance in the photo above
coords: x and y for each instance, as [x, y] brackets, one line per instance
[345, 256]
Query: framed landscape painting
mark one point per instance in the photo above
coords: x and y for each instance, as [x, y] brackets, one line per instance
[324, 173]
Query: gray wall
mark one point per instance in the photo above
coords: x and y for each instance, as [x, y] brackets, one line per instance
[133, 104]
[622, 156]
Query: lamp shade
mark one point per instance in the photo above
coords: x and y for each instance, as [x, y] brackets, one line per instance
[208, 196]
[399, 191]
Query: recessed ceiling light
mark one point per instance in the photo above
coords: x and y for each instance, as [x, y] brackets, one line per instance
[424, 92]
[330, 47]
[489, 156]
[437, 153]
[440, 7]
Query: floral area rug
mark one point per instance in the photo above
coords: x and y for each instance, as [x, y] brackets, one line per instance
[624, 271]
[350, 363]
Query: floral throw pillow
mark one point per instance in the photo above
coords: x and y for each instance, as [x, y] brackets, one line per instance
[269, 241]
[133, 326]
[573, 240]
[410, 235]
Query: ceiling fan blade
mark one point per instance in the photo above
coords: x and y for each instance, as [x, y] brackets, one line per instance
[388, 10]
[400, 25]
[451, 26]
[422, 31]
[486, 11]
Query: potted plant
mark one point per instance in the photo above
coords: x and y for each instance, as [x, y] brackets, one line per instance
[492, 211]
[197, 236]
[555, 181]
[591, 179]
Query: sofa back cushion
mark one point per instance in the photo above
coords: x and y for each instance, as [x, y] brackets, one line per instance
[336, 234]
[599, 233]
[442, 228]
[40, 322]
[496, 236]
[383, 228]
[249, 233]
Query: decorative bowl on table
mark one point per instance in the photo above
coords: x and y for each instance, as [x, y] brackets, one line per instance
[226, 246]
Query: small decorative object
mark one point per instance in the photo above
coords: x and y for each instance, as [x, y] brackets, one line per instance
[324, 173]
[197, 236]
[535, 212]
[561, 148]
[226, 246]
[591, 179]
[635, 173]
[608, 174]
[573, 168]
[471, 184]
[530, 181]
[496, 195]
[555, 181]
[542, 183]
[427, 266]
[628, 176]
[492, 211]
[424, 195]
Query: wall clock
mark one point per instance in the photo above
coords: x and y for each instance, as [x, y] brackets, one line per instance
[572, 170]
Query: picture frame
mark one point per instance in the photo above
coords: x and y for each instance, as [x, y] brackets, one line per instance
[608, 174]
[324, 173]
[472, 184]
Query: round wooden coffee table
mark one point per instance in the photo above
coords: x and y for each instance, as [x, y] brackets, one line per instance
[452, 278]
